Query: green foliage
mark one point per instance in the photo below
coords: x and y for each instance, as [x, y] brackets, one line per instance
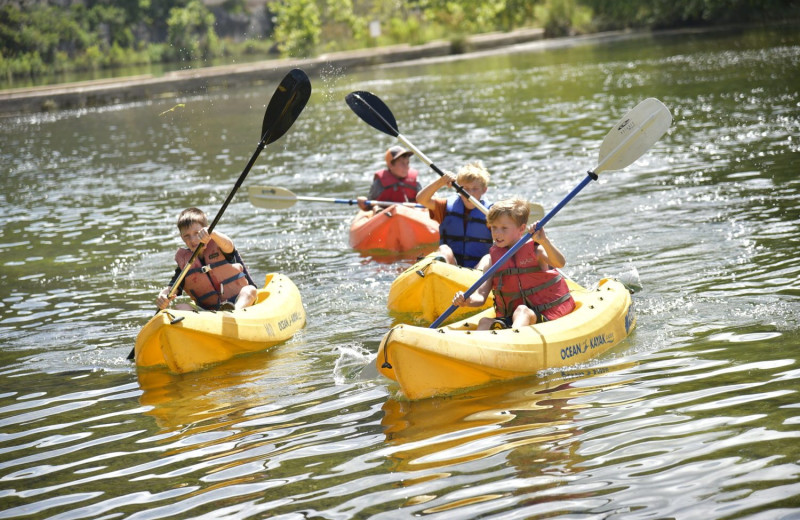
[235, 6]
[297, 27]
[190, 32]
[614, 14]
[38, 38]
[468, 16]
[562, 17]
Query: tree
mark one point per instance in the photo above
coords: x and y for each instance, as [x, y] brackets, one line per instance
[297, 27]
[190, 32]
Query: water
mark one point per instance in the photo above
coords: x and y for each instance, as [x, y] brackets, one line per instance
[696, 415]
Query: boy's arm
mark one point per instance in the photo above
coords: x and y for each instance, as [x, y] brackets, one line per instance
[477, 298]
[223, 241]
[425, 195]
[547, 251]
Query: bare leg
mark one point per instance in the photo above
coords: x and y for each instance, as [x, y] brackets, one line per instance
[246, 297]
[447, 253]
[523, 316]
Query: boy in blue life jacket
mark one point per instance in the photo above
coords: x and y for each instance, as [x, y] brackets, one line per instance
[528, 288]
[218, 278]
[464, 237]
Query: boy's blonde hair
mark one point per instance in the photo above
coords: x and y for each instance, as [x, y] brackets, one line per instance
[191, 216]
[473, 172]
[516, 209]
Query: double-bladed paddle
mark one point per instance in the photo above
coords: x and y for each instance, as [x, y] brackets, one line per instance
[630, 138]
[285, 106]
[375, 113]
[273, 197]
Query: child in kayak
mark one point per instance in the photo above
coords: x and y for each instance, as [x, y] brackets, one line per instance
[528, 288]
[218, 279]
[464, 237]
[398, 182]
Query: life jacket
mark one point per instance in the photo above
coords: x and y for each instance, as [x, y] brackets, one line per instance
[468, 236]
[396, 189]
[520, 281]
[214, 279]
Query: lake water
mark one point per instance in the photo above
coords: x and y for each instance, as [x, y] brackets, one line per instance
[695, 415]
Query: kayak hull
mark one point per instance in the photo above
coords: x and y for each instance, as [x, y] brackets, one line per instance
[186, 341]
[395, 228]
[426, 289]
[428, 362]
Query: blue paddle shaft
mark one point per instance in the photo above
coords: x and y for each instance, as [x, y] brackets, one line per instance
[516, 247]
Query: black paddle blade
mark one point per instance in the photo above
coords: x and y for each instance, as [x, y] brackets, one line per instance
[373, 111]
[286, 104]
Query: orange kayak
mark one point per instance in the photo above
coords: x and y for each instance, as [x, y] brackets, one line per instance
[395, 228]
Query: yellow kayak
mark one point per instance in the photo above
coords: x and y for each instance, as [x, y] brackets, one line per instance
[428, 362]
[426, 289]
[190, 340]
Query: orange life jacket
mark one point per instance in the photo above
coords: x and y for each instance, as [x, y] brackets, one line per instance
[215, 279]
[520, 281]
[396, 189]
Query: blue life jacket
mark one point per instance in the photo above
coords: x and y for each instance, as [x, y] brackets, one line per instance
[467, 235]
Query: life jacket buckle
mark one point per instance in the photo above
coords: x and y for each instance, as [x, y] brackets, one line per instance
[205, 268]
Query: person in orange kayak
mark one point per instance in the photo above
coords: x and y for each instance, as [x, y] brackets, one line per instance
[218, 279]
[464, 237]
[398, 182]
[528, 288]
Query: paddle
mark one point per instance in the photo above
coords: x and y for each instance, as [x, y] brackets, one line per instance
[285, 106]
[375, 113]
[630, 138]
[273, 197]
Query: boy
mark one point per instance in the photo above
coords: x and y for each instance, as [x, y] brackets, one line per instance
[218, 279]
[395, 183]
[464, 237]
[528, 288]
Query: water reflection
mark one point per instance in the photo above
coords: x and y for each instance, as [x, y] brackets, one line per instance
[212, 398]
[510, 417]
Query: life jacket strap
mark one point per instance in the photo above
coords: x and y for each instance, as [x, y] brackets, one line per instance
[519, 270]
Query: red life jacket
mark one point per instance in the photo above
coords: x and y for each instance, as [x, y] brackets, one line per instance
[396, 189]
[215, 279]
[521, 282]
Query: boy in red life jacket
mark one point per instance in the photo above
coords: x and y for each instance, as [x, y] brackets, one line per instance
[528, 288]
[398, 182]
[465, 237]
[218, 279]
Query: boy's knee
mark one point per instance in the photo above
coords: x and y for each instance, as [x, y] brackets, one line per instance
[248, 294]
[485, 323]
[447, 253]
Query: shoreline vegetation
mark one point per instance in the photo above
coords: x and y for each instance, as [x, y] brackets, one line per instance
[49, 48]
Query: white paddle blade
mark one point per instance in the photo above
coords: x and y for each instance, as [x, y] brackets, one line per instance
[633, 135]
[536, 212]
[271, 197]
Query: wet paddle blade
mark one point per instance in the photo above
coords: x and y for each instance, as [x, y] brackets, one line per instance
[271, 197]
[536, 212]
[633, 135]
[287, 102]
[373, 111]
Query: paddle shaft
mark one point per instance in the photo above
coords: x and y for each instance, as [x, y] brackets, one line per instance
[408, 144]
[351, 202]
[211, 227]
[516, 247]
